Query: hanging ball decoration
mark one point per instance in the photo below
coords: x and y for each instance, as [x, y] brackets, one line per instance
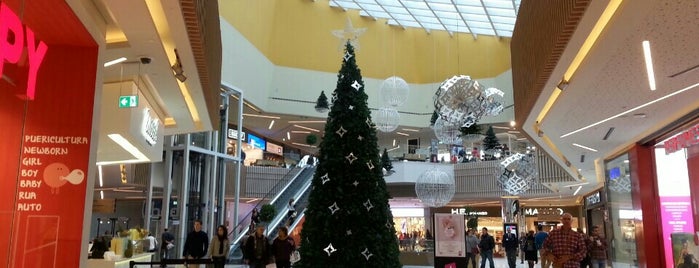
[493, 101]
[394, 91]
[446, 132]
[621, 184]
[386, 119]
[435, 188]
[517, 173]
[462, 101]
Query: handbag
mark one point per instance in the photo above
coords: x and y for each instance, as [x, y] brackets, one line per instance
[474, 250]
[295, 256]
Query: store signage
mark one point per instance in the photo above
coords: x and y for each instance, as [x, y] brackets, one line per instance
[275, 149]
[149, 129]
[11, 26]
[462, 211]
[130, 101]
[543, 212]
[683, 140]
[233, 134]
[593, 199]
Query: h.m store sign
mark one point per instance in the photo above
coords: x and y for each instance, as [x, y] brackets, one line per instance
[12, 45]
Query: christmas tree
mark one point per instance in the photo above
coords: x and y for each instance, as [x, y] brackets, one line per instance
[490, 143]
[348, 220]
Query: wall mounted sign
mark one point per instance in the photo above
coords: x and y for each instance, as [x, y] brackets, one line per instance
[149, 129]
[683, 140]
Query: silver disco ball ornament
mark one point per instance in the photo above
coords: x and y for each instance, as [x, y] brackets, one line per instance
[621, 184]
[435, 188]
[386, 119]
[517, 173]
[394, 91]
[446, 132]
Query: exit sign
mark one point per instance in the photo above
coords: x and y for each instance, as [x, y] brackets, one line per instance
[128, 101]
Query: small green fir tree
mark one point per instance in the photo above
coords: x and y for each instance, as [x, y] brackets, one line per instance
[385, 161]
[348, 219]
[490, 141]
[322, 103]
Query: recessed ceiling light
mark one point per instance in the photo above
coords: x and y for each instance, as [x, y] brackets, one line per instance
[307, 128]
[632, 110]
[649, 64]
[262, 116]
[112, 62]
[584, 147]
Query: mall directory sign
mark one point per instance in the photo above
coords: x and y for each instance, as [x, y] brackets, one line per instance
[46, 102]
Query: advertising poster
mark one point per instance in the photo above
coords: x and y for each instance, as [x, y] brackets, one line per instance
[684, 251]
[449, 235]
[46, 103]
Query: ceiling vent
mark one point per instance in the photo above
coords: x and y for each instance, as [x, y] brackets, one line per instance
[609, 133]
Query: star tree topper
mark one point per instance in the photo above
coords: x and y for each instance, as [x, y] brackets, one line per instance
[349, 34]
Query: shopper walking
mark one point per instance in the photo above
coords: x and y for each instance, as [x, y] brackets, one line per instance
[219, 247]
[282, 247]
[565, 247]
[471, 247]
[486, 245]
[197, 243]
[598, 249]
[511, 245]
[539, 239]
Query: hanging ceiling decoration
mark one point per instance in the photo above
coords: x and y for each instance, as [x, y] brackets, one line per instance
[435, 188]
[394, 91]
[462, 101]
[446, 132]
[386, 119]
[517, 173]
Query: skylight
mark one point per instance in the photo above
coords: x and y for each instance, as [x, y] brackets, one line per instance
[477, 17]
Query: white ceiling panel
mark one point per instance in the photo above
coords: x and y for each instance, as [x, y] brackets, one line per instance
[489, 17]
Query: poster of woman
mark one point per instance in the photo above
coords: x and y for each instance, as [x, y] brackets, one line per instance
[449, 235]
[684, 250]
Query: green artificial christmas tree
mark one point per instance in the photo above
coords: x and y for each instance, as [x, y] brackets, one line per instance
[490, 143]
[322, 103]
[386, 162]
[348, 220]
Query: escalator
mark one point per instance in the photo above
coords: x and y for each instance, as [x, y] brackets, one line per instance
[298, 188]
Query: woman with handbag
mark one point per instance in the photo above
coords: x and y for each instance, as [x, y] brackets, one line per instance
[471, 248]
[282, 248]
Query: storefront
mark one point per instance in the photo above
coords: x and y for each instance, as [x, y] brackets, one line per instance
[595, 210]
[48, 68]
[654, 185]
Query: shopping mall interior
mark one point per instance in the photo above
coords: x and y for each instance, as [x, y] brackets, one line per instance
[123, 118]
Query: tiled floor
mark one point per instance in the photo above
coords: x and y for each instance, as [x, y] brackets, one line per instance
[499, 263]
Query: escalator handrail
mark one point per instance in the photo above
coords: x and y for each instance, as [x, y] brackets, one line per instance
[235, 242]
[259, 204]
[284, 212]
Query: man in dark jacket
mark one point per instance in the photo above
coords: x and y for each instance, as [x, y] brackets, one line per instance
[486, 245]
[197, 244]
[257, 250]
[510, 243]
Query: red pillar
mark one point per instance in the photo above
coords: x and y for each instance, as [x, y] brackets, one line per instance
[693, 172]
[649, 246]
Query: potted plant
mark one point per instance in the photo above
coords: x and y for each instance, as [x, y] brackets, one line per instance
[267, 213]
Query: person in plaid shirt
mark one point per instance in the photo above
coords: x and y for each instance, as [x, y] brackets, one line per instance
[565, 247]
[598, 249]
